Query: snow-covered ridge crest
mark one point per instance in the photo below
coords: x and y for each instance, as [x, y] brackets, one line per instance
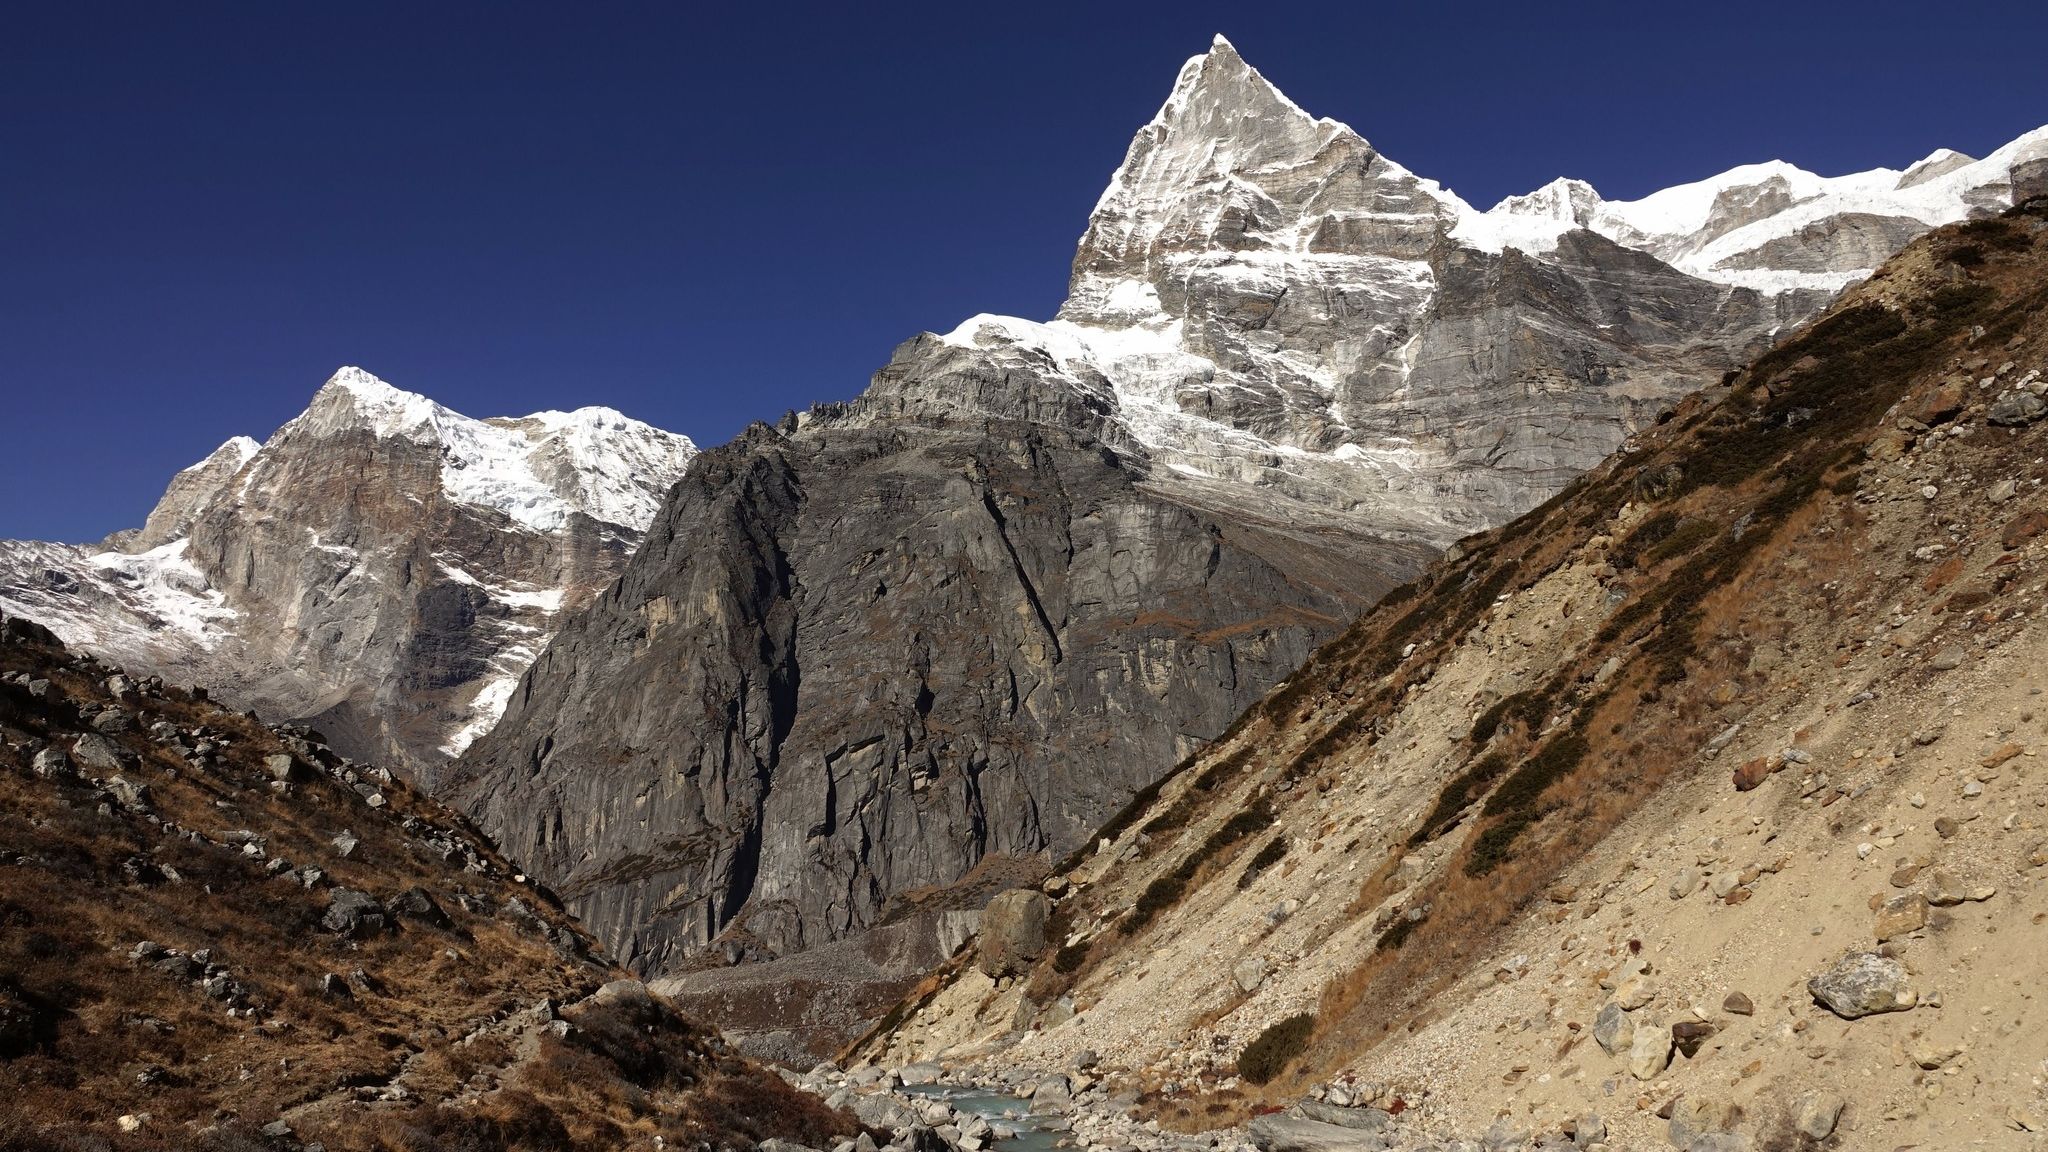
[539, 470]
[1774, 226]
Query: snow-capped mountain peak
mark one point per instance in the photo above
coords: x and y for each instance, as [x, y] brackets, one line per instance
[539, 470]
[419, 557]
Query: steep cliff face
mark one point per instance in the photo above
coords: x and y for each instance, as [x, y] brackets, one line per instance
[1037, 563]
[382, 566]
[853, 659]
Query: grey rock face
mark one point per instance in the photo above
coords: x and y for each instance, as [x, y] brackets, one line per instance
[858, 657]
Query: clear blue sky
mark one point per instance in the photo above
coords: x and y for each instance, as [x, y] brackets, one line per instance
[705, 214]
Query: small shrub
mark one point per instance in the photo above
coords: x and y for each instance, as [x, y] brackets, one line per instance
[1458, 794]
[1070, 957]
[1268, 1055]
[1490, 848]
[1397, 934]
[1521, 789]
[1274, 852]
[1157, 897]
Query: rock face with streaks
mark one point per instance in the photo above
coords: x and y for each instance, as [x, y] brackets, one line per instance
[382, 567]
[968, 615]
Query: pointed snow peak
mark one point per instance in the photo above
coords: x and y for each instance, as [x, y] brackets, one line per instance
[1217, 94]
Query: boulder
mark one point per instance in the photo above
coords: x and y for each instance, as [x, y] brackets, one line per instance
[1363, 1119]
[1863, 984]
[98, 754]
[1013, 931]
[2016, 408]
[53, 764]
[130, 795]
[283, 767]
[1280, 1132]
[354, 914]
[417, 904]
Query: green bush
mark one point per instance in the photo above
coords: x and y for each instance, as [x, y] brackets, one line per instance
[1269, 1054]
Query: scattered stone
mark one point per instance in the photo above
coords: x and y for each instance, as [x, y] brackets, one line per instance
[1634, 992]
[1589, 1130]
[1737, 1004]
[1249, 973]
[1613, 1029]
[2023, 528]
[1815, 1114]
[1689, 1035]
[1649, 1053]
[1695, 1116]
[1863, 984]
[1947, 659]
[345, 844]
[1946, 827]
[1902, 916]
[1684, 884]
[282, 767]
[1929, 1056]
[1946, 890]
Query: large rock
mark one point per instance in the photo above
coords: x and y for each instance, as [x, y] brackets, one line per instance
[96, 753]
[1862, 984]
[354, 914]
[1280, 1132]
[1012, 931]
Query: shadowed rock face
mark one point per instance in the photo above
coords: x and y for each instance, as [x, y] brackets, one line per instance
[855, 657]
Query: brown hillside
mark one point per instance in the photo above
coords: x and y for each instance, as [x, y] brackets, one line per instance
[218, 935]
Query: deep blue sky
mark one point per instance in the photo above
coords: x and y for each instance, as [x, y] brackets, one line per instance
[705, 214]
